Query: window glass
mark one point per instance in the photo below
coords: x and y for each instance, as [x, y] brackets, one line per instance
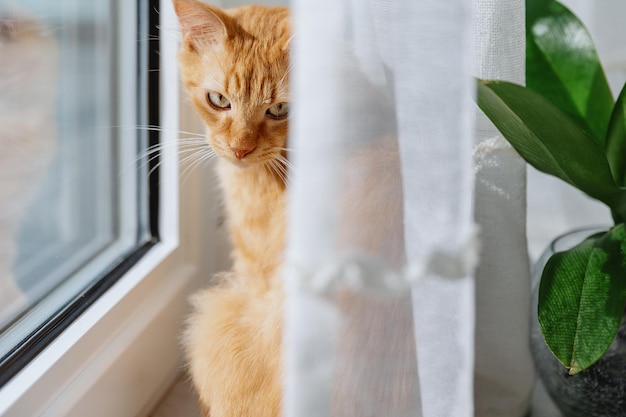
[73, 195]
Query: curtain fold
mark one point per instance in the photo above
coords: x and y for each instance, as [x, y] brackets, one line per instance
[435, 111]
[504, 374]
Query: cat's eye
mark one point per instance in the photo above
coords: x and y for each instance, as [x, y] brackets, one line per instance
[218, 101]
[278, 111]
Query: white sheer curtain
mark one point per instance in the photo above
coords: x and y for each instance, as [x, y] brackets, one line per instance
[381, 313]
[504, 374]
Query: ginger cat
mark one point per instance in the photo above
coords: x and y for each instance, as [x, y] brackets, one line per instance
[235, 65]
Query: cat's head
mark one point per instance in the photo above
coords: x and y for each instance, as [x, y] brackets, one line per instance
[235, 64]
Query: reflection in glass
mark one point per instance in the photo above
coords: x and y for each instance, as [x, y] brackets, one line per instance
[69, 189]
[28, 86]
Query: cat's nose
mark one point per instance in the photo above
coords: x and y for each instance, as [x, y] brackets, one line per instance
[241, 152]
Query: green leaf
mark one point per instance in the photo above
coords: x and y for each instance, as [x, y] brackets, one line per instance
[616, 140]
[562, 65]
[582, 295]
[550, 141]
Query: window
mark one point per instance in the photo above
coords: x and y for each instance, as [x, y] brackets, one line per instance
[79, 208]
[115, 354]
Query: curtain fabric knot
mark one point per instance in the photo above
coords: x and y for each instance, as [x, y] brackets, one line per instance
[363, 273]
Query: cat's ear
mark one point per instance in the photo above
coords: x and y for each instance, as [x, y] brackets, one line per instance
[201, 24]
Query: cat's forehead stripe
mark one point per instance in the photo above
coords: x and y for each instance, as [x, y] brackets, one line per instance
[252, 85]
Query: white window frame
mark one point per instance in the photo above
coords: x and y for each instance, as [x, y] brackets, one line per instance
[120, 356]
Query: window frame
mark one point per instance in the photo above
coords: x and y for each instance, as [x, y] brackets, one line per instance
[121, 354]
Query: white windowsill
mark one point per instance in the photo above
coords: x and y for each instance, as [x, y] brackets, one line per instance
[86, 354]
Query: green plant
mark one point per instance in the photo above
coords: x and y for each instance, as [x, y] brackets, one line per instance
[566, 123]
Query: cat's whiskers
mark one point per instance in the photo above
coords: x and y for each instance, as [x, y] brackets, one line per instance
[173, 33]
[277, 164]
[163, 129]
[181, 143]
[282, 148]
[196, 154]
[155, 157]
[281, 83]
[197, 159]
[284, 160]
[183, 146]
[283, 157]
[284, 168]
[153, 152]
[270, 166]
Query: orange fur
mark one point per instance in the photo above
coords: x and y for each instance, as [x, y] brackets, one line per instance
[234, 348]
[233, 337]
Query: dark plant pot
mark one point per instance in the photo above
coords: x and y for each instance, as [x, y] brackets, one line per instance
[598, 391]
